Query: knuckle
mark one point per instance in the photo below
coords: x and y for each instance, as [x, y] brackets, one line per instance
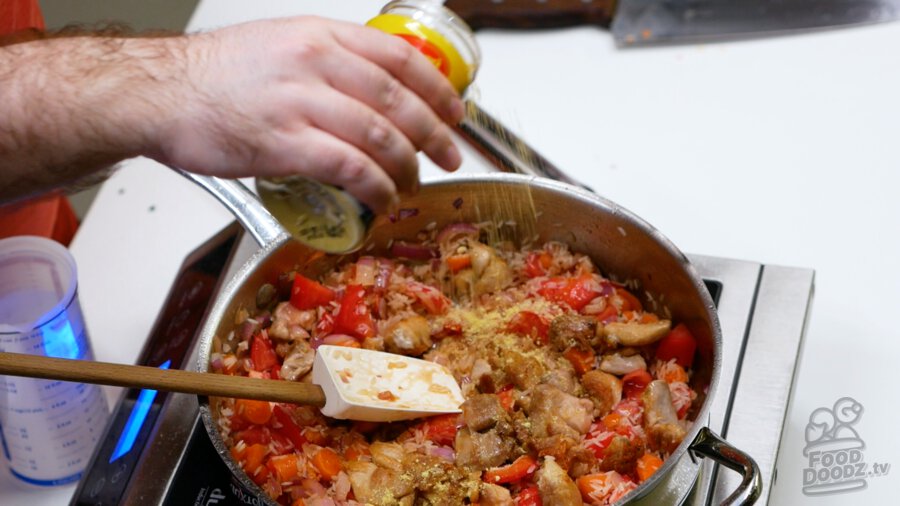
[380, 134]
[403, 54]
[391, 95]
[352, 168]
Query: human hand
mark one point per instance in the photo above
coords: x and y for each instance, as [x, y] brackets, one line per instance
[344, 104]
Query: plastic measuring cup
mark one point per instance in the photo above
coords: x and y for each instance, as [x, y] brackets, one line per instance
[49, 428]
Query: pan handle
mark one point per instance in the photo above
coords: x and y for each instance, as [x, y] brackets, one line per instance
[243, 204]
[708, 444]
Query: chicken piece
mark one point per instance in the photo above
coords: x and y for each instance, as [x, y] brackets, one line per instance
[572, 330]
[553, 411]
[604, 389]
[565, 450]
[481, 450]
[636, 333]
[621, 455]
[660, 418]
[495, 495]
[555, 486]
[387, 455]
[563, 378]
[440, 483]
[619, 364]
[290, 323]
[522, 370]
[491, 273]
[482, 412]
[298, 361]
[379, 486]
[410, 336]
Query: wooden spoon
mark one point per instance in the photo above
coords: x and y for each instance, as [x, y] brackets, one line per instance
[348, 383]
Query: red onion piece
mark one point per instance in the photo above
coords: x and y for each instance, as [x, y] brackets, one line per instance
[412, 251]
[316, 342]
[443, 452]
[339, 340]
[455, 230]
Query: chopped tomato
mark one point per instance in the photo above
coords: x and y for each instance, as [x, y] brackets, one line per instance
[582, 360]
[507, 399]
[325, 325]
[679, 344]
[327, 463]
[309, 294]
[253, 435]
[647, 464]
[634, 383]
[441, 429]
[629, 301]
[450, 329]
[284, 467]
[354, 317]
[521, 468]
[529, 496]
[258, 412]
[288, 427]
[537, 263]
[262, 353]
[609, 314]
[457, 263]
[434, 301]
[598, 446]
[576, 292]
[527, 323]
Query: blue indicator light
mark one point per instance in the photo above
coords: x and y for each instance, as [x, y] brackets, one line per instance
[135, 420]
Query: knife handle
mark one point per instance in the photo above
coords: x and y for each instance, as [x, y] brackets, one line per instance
[522, 14]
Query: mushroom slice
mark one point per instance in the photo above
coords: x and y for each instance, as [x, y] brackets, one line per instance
[636, 333]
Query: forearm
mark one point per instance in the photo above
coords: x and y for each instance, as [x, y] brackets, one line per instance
[72, 106]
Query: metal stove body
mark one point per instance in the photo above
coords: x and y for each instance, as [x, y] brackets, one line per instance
[157, 452]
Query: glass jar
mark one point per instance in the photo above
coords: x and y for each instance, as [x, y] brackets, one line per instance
[438, 33]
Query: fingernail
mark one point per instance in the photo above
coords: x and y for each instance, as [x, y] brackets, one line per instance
[452, 158]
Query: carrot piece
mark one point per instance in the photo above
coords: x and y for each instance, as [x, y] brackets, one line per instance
[327, 462]
[589, 484]
[673, 373]
[298, 502]
[356, 452]
[284, 467]
[258, 412]
[649, 318]
[647, 464]
[582, 360]
[252, 462]
[507, 400]
[457, 263]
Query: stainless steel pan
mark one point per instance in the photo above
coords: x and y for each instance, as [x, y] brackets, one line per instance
[619, 242]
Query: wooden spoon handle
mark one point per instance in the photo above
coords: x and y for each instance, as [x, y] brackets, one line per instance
[169, 380]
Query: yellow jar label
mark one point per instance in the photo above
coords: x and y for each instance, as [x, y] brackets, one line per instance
[432, 44]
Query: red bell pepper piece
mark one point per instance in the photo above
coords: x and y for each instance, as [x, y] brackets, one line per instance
[309, 294]
[529, 496]
[679, 344]
[354, 317]
[441, 429]
[537, 263]
[523, 467]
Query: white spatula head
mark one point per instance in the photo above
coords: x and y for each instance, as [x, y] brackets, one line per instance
[382, 387]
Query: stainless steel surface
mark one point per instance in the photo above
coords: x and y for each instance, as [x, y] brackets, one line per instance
[768, 368]
[709, 445]
[656, 21]
[243, 204]
[740, 282]
[504, 149]
[616, 239]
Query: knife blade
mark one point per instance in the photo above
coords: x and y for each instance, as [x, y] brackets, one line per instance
[635, 22]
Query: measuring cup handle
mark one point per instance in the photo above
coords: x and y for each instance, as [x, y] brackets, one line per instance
[243, 204]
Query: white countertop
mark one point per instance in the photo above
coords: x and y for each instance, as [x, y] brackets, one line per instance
[780, 150]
